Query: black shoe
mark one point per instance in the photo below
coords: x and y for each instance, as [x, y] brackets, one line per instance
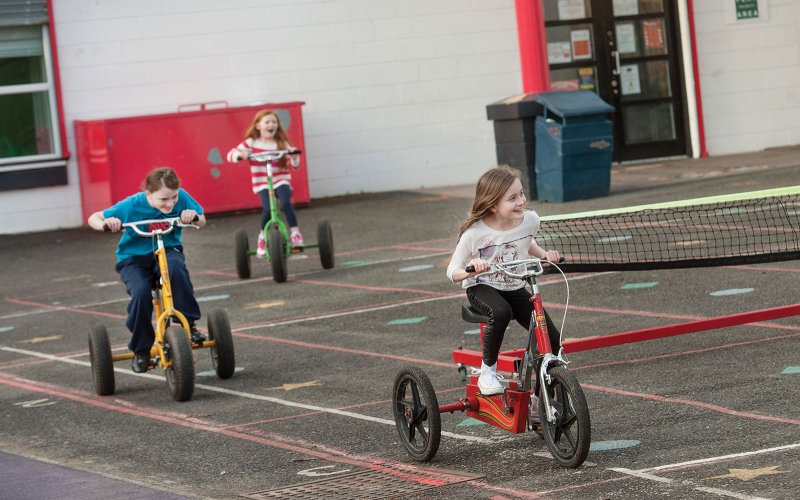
[197, 337]
[140, 363]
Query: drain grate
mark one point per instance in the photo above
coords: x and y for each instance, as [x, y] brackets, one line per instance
[380, 481]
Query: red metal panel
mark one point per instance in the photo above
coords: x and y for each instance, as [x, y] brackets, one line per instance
[194, 143]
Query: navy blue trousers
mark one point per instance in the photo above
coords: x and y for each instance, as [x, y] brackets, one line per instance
[139, 273]
[284, 195]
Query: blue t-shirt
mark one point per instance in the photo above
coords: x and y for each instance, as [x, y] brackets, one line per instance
[136, 207]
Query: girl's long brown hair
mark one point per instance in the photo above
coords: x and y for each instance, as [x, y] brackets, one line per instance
[281, 140]
[161, 177]
[490, 189]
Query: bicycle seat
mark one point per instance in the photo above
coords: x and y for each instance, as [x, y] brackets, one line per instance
[472, 315]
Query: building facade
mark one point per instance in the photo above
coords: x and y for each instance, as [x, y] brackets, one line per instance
[395, 93]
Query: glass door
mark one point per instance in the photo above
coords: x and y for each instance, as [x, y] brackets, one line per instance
[626, 51]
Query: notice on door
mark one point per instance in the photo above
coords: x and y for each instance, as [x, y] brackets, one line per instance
[581, 44]
[629, 79]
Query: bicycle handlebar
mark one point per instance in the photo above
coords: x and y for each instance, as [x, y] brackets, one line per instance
[172, 221]
[532, 267]
[272, 155]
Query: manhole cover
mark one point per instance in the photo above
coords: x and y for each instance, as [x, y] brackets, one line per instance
[382, 481]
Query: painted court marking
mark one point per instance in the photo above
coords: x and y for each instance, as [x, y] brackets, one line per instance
[248, 395]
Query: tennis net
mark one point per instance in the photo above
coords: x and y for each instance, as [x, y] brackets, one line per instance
[743, 228]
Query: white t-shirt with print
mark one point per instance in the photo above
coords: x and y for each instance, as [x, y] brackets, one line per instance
[481, 241]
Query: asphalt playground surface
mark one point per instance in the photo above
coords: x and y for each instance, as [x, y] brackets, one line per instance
[713, 414]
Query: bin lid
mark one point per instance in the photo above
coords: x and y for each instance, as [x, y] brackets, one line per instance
[574, 103]
[514, 107]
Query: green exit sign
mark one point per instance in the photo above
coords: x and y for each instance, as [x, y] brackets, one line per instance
[746, 9]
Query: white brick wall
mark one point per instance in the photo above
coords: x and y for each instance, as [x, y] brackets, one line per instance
[395, 92]
[749, 75]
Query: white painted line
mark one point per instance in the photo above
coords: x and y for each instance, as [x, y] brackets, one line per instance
[721, 458]
[248, 395]
[726, 493]
[641, 474]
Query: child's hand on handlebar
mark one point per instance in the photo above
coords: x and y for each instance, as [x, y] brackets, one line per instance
[552, 256]
[477, 266]
[112, 224]
[188, 216]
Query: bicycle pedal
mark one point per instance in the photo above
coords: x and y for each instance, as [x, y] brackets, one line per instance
[297, 249]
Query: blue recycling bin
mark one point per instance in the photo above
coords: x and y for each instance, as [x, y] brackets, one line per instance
[574, 146]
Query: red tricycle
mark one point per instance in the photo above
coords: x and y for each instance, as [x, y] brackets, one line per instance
[542, 395]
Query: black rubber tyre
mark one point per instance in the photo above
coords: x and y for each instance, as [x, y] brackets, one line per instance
[277, 254]
[242, 250]
[100, 358]
[180, 374]
[222, 355]
[570, 435]
[325, 242]
[416, 413]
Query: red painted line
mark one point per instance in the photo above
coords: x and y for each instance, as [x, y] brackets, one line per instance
[303, 447]
[343, 349]
[373, 288]
[62, 308]
[697, 404]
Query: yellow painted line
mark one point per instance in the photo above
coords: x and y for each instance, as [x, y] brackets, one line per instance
[300, 385]
[265, 305]
[39, 340]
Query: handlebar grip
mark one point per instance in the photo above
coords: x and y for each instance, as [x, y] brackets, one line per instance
[106, 228]
[296, 152]
[470, 269]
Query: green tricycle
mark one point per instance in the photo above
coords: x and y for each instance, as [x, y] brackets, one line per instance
[276, 233]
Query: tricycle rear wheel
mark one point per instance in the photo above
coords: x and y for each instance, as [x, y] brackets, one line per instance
[101, 361]
[180, 373]
[277, 254]
[416, 413]
[222, 354]
[569, 436]
[242, 251]
[325, 243]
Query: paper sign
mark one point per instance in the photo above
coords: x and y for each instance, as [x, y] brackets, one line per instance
[571, 9]
[626, 7]
[586, 78]
[653, 36]
[564, 85]
[626, 38]
[581, 44]
[558, 52]
[629, 78]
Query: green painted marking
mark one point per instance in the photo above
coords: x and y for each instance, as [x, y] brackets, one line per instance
[634, 286]
[407, 321]
[470, 422]
[791, 370]
[613, 445]
[351, 263]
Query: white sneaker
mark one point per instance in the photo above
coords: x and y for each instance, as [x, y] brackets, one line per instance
[488, 383]
[261, 246]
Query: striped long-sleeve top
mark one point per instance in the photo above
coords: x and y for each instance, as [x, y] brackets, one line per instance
[281, 173]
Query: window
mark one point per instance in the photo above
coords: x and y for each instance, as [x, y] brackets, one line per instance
[31, 152]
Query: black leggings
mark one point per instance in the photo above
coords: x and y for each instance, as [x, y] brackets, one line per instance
[502, 306]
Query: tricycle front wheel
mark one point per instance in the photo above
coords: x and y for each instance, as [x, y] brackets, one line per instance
[180, 373]
[568, 437]
[277, 254]
[416, 413]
